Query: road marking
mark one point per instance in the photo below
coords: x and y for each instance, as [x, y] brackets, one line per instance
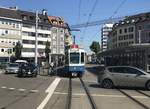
[50, 90]
[11, 88]
[101, 95]
[22, 90]
[34, 91]
[3, 87]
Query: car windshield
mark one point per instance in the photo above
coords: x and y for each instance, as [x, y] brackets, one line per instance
[13, 65]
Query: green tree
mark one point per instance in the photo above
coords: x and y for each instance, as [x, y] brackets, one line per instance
[47, 50]
[18, 50]
[95, 47]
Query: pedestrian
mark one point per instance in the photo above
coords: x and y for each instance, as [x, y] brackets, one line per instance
[51, 68]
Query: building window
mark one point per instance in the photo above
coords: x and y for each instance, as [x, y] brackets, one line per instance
[140, 27]
[17, 26]
[131, 29]
[6, 31]
[24, 17]
[2, 50]
[13, 25]
[13, 43]
[125, 30]
[130, 36]
[9, 23]
[31, 17]
[120, 31]
[28, 42]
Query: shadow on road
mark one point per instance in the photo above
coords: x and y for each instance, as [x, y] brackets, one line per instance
[119, 87]
[94, 69]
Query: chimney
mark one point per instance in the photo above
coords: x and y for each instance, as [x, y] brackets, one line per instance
[44, 12]
[14, 8]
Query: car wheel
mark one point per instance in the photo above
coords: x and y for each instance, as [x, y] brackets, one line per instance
[107, 83]
[34, 74]
[19, 75]
[148, 85]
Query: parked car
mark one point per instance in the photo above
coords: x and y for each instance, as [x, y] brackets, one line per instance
[123, 76]
[12, 68]
[27, 69]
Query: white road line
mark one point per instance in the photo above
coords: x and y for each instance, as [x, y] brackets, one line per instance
[3, 87]
[11, 88]
[101, 95]
[50, 90]
[22, 90]
[34, 91]
[139, 97]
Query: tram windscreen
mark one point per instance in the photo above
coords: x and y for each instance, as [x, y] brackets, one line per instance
[74, 58]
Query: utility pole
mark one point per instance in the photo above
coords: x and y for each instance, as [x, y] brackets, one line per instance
[74, 39]
[36, 35]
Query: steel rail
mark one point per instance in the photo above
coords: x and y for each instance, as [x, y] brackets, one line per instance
[69, 97]
[91, 100]
[135, 100]
[143, 93]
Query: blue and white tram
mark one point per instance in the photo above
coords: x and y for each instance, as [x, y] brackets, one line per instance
[75, 61]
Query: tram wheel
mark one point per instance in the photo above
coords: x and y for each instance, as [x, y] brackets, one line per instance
[79, 75]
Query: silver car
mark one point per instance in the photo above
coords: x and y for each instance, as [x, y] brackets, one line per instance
[123, 76]
[12, 68]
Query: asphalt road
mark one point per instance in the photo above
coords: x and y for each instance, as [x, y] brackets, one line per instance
[45, 92]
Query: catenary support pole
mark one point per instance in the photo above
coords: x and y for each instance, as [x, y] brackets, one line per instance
[36, 35]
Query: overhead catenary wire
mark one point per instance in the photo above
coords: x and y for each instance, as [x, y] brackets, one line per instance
[89, 18]
[117, 9]
[111, 17]
[79, 11]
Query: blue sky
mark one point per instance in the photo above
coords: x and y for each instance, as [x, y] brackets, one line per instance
[69, 10]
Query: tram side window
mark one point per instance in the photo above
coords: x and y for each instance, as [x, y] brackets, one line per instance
[82, 57]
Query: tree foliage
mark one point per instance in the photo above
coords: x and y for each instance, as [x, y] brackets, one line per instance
[47, 50]
[18, 50]
[95, 47]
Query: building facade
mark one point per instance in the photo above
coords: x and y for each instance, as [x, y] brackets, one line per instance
[129, 43]
[132, 30]
[10, 32]
[18, 25]
[106, 28]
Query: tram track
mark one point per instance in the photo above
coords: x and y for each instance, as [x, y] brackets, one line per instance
[69, 97]
[91, 100]
[87, 92]
[143, 93]
[135, 100]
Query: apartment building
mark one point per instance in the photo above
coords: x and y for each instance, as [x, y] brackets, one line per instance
[129, 43]
[132, 30]
[106, 28]
[28, 33]
[10, 32]
[18, 25]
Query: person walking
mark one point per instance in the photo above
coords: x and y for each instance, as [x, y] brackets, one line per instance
[51, 68]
